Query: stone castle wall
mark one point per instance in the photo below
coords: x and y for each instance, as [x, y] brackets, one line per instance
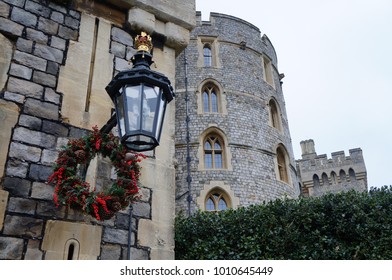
[45, 75]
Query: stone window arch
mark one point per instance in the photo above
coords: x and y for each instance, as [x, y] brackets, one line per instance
[214, 153]
[324, 177]
[342, 176]
[316, 180]
[216, 192]
[334, 178]
[211, 98]
[268, 72]
[274, 114]
[217, 200]
[207, 55]
[352, 175]
[282, 161]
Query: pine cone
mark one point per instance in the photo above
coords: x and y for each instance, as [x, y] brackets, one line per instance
[80, 154]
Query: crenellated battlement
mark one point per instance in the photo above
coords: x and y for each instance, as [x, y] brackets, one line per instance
[320, 174]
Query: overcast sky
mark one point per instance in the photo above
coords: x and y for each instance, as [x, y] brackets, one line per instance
[337, 59]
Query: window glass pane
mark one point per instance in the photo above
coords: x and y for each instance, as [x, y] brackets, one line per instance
[210, 205]
[222, 204]
[218, 161]
[206, 104]
[207, 56]
[214, 102]
[217, 146]
[208, 160]
[207, 146]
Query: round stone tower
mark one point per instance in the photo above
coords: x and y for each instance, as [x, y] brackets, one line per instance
[229, 101]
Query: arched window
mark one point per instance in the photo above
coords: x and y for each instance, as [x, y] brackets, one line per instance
[210, 98]
[207, 53]
[325, 179]
[274, 114]
[334, 178]
[71, 251]
[342, 176]
[281, 156]
[217, 200]
[352, 175]
[316, 181]
[213, 152]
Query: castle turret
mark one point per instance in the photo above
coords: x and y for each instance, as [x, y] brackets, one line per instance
[240, 150]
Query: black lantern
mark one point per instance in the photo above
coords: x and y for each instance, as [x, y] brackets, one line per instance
[140, 96]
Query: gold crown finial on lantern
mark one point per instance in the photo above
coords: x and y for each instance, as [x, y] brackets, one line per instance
[143, 42]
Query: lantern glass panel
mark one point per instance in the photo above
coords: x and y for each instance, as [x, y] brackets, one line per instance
[120, 112]
[150, 98]
[134, 103]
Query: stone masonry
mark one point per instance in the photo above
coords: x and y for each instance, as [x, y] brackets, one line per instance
[41, 33]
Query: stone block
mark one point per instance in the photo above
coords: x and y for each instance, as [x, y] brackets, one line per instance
[44, 79]
[53, 68]
[137, 254]
[20, 71]
[24, 152]
[41, 109]
[117, 49]
[33, 137]
[25, 88]
[49, 53]
[117, 236]
[19, 3]
[33, 251]
[40, 172]
[30, 60]
[58, 43]
[42, 191]
[57, 17]
[57, 234]
[49, 157]
[140, 19]
[37, 8]
[37, 36]
[11, 248]
[16, 168]
[10, 27]
[122, 36]
[48, 26]
[23, 17]
[22, 205]
[52, 96]
[55, 128]
[15, 97]
[23, 226]
[4, 10]
[110, 252]
[30, 122]
[141, 209]
[58, 8]
[68, 33]
[71, 22]
[122, 221]
[47, 208]
[24, 45]
[74, 14]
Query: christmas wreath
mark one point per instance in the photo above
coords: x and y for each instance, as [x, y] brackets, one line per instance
[72, 191]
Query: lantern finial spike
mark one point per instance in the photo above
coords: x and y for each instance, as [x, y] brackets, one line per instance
[143, 42]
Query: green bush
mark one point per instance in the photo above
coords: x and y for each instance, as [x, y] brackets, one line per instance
[349, 225]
